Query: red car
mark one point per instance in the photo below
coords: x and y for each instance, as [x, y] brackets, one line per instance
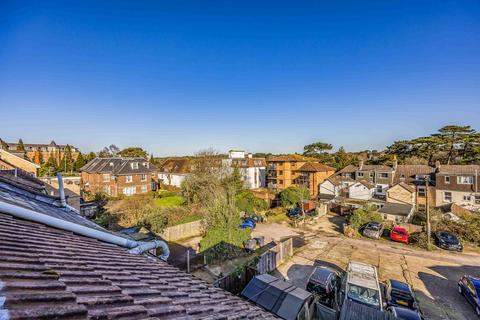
[399, 234]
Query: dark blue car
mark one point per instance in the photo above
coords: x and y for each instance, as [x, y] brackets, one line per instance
[469, 287]
[404, 313]
[248, 223]
[399, 294]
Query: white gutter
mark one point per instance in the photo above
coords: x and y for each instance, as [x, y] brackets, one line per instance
[140, 247]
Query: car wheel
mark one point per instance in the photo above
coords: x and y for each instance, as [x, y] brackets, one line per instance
[460, 290]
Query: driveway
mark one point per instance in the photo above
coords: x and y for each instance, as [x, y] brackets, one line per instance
[433, 275]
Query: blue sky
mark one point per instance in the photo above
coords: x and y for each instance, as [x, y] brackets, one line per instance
[178, 76]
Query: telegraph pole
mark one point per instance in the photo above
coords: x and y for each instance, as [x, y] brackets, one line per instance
[427, 210]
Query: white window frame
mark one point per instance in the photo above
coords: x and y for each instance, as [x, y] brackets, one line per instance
[105, 177]
[128, 191]
[128, 179]
[422, 191]
[360, 174]
[465, 180]
[380, 175]
[134, 165]
[445, 196]
[447, 179]
[379, 189]
[142, 178]
[144, 188]
[467, 197]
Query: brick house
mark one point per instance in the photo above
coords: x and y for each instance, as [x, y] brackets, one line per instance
[12, 161]
[458, 184]
[35, 151]
[118, 176]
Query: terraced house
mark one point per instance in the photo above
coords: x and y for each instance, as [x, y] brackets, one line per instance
[118, 175]
[458, 184]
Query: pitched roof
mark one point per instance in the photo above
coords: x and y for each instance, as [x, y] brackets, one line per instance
[316, 167]
[366, 184]
[459, 169]
[176, 166]
[371, 167]
[50, 273]
[348, 169]
[405, 186]
[407, 172]
[398, 209]
[118, 166]
[291, 158]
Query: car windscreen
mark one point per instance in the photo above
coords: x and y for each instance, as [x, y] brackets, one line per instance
[364, 295]
[399, 232]
[448, 236]
[373, 227]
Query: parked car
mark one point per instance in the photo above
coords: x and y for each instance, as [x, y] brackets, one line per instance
[404, 313]
[469, 287]
[447, 240]
[373, 230]
[248, 223]
[325, 283]
[295, 213]
[361, 285]
[399, 294]
[399, 234]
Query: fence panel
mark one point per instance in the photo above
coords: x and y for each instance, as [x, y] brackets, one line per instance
[274, 257]
[185, 230]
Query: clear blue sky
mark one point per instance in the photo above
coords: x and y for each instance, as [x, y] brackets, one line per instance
[178, 76]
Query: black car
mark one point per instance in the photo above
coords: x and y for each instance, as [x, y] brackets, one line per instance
[295, 213]
[447, 240]
[324, 283]
[404, 313]
[399, 294]
[469, 287]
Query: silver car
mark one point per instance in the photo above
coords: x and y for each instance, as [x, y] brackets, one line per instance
[373, 230]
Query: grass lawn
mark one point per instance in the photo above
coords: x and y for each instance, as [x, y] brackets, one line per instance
[169, 201]
[190, 218]
[277, 218]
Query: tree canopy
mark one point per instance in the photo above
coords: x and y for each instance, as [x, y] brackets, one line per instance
[316, 149]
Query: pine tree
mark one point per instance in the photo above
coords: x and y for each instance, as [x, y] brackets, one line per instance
[20, 145]
[80, 162]
[67, 162]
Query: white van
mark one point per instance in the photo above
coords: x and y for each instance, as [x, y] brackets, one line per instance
[361, 285]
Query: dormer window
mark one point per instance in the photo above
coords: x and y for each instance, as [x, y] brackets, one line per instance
[134, 165]
[146, 165]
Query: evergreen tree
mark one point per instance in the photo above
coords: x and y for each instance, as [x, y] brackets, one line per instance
[67, 162]
[49, 168]
[80, 162]
[3, 145]
[20, 145]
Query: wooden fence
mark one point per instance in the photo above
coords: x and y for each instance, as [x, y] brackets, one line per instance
[275, 256]
[236, 281]
[182, 231]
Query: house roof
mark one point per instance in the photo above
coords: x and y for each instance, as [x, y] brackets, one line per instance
[348, 169]
[291, 158]
[338, 179]
[365, 183]
[459, 169]
[50, 273]
[316, 167]
[405, 186]
[398, 209]
[407, 172]
[372, 167]
[118, 166]
[172, 165]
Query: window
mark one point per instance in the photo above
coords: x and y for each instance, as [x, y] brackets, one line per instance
[280, 172]
[447, 179]
[467, 198]
[106, 177]
[146, 164]
[372, 174]
[421, 208]
[280, 181]
[144, 188]
[106, 189]
[422, 192]
[128, 179]
[360, 174]
[447, 197]
[379, 189]
[128, 191]
[144, 177]
[134, 165]
[383, 175]
[465, 179]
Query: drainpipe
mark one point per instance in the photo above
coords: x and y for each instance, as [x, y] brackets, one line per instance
[140, 247]
[61, 190]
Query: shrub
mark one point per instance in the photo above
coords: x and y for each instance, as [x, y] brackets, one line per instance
[247, 202]
[363, 216]
[292, 195]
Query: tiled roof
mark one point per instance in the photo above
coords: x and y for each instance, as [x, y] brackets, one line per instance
[118, 166]
[348, 169]
[366, 184]
[459, 169]
[371, 167]
[398, 209]
[405, 186]
[176, 166]
[46, 273]
[407, 172]
[291, 158]
[316, 167]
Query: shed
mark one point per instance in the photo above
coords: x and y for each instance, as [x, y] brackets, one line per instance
[278, 296]
[352, 310]
[396, 212]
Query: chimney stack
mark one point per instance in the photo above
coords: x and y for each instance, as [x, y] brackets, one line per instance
[360, 165]
[61, 190]
[437, 165]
